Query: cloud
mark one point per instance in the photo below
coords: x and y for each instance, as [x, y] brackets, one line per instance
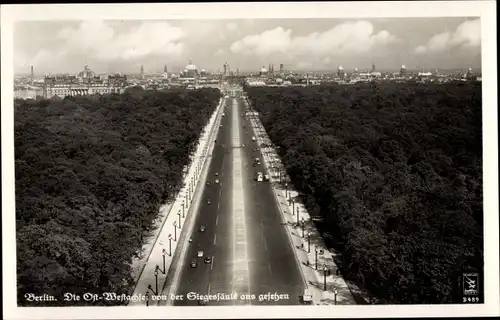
[304, 65]
[347, 38]
[98, 39]
[467, 34]
[231, 26]
[219, 52]
[270, 41]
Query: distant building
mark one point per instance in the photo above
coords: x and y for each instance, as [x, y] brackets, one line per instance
[84, 83]
[402, 72]
[341, 73]
[263, 72]
[190, 72]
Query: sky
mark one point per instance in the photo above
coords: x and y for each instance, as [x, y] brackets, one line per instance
[247, 44]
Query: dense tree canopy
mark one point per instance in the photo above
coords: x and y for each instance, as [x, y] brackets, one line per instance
[91, 174]
[395, 171]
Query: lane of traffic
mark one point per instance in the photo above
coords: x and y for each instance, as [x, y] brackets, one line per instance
[275, 268]
[213, 241]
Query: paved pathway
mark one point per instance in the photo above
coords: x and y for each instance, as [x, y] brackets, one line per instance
[319, 269]
[155, 270]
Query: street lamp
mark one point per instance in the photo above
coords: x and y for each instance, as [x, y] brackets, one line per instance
[316, 255]
[293, 207]
[309, 242]
[156, 278]
[302, 227]
[297, 214]
[286, 190]
[325, 270]
[147, 298]
[150, 288]
[335, 295]
[179, 215]
[163, 253]
[170, 245]
[183, 204]
[175, 230]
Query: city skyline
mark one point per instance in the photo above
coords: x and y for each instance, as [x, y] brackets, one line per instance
[247, 44]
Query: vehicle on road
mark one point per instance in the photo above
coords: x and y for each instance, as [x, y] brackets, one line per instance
[216, 174]
[208, 183]
[253, 138]
[216, 180]
[208, 201]
[208, 260]
[202, 302]
[194, 264]
[259, 176]
[257, 160]
[203, 228]
[266, 177]
[190, 239]
[307, 297]
[200, 254]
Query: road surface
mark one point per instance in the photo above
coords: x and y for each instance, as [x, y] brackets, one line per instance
[249, 249]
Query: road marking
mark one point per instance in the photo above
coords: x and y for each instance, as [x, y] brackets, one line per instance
[218, 206]
[241, 283]
[269, 266]
[212, 263]
[217, 220]
[215, 238]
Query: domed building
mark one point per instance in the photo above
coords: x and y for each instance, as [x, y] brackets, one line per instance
[341, 73]
[263, 71]
[84, 83]
[402, 72]
[87, 75]
[190, 71]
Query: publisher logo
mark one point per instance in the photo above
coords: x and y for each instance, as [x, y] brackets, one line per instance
[471, 284]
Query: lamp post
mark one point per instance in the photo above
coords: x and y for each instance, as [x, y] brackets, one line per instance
[293, 207]
[308, 242]
[335, 295]
[179, 215]
[183, 204]
[147, 298]
[316, 255]
[150, 288]
[303, 222]
[298, 215]
[170, 245]
[325, 269]
[286, 190]
[156, 278]
[175, 230]
[163, 253]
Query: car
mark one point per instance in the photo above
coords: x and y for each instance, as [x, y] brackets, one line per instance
[208, 183]
[216, 174]
[202, 302]
[208, 260]
[194, 264]
[216, 180]
[200, 254]
[203, 228]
